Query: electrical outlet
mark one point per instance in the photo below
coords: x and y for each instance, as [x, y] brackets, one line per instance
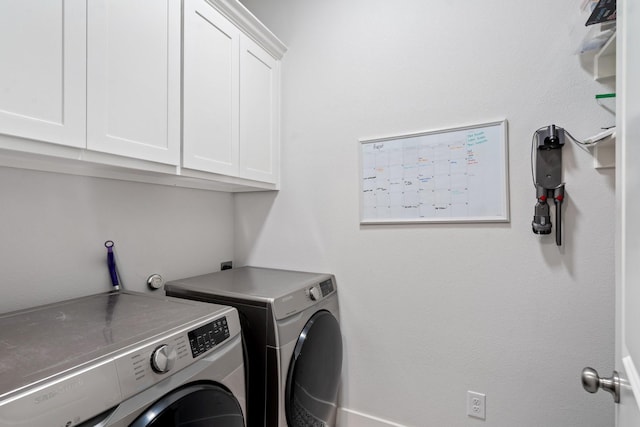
[476, 405]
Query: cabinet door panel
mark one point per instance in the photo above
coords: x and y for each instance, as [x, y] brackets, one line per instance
[210, 90]
[133, 74]
[42, 76]
[259, 113]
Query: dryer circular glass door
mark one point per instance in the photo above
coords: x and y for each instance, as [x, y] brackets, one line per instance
[194, 405]
[314, 373]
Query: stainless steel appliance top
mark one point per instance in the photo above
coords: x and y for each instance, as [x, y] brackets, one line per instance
[44, 341]
[255, 283]
[285, 292]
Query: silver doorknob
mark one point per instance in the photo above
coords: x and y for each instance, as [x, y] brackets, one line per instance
[591, 382]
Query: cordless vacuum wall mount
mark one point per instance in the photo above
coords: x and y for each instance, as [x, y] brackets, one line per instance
[548, 180]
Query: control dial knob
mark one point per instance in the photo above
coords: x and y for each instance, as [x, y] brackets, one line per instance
[314, 293]
[163, 358]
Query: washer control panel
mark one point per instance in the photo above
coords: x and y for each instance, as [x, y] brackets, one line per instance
[309, 294]
[321, 290]
[208, 336]
[154, 361]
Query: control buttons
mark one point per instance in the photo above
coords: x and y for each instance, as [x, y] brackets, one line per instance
[163, 358]
[326, 287]
[207, 336]
[314, 293]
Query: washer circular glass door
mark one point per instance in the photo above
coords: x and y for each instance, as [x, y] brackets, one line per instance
[194, 405]
[314, 373]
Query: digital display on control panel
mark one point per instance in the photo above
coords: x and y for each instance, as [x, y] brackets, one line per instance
[326, 287]
[208, 336]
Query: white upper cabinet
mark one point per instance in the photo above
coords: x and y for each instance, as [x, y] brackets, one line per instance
[133, 79]
[210, 90]
[231, 102]
[175, 92]
[42, 76]
[259, 113]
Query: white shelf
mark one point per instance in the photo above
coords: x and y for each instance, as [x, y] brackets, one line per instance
[604, 62]
[604, 154]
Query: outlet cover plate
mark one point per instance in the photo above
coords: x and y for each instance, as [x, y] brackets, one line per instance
[476, 405]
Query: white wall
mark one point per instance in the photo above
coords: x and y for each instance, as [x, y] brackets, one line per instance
[431, 311]
[53, 228]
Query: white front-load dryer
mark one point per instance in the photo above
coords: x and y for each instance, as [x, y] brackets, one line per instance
[290, 322]
[122, 359]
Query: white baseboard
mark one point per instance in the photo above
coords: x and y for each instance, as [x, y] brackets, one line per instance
[350, 418]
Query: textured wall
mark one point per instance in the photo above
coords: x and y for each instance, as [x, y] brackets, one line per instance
[53, 228]
[431, 311]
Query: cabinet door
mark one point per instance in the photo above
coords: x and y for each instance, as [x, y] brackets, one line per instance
[42, 76]
[259, 113]
[210, 90]
[133, 79]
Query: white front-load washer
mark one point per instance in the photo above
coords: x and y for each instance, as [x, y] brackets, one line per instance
[122, 359]
[290, 323]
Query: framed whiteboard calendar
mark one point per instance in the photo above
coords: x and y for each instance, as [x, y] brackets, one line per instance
[448, 175]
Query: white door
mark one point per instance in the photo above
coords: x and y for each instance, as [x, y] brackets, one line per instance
[259, 113]
[628, 214]
[210, 90]
[133, 79]
[625, 383]
[42, 76]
